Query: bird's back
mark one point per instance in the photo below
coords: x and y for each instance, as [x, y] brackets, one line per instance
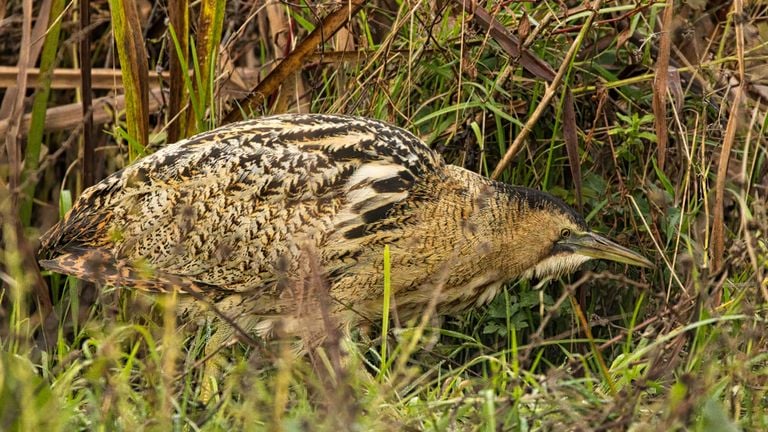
[232, 208]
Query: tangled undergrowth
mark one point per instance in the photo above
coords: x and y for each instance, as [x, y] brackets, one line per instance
[650, 117]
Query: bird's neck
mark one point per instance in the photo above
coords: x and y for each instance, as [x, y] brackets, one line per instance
[494, 223]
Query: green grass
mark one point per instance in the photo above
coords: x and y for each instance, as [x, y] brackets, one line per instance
[681, 347]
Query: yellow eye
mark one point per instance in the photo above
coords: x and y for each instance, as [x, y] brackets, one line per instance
[565, 233]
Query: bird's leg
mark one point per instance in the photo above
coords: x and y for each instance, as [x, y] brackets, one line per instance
[215, 362]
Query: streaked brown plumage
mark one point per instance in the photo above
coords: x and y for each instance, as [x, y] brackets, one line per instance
[233, 215]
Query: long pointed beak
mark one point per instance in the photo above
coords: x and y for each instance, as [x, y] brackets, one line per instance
[596, 246]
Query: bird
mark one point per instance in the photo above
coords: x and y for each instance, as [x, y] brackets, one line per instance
[237, 219]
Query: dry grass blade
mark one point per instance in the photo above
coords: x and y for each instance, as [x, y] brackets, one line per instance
[133, 62]
[293, 61]
[549, 93]
[178, 16]
[660, 84]
[718, 224]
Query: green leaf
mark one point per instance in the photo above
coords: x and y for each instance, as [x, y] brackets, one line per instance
[715, 419]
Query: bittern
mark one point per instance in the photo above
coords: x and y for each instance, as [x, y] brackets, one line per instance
[233, 217]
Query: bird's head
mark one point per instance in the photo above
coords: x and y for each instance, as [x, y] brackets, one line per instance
[563, 241]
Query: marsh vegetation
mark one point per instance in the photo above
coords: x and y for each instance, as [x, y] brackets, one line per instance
[650, 117]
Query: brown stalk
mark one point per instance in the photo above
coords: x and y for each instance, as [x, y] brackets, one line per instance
[718, 224]
[549, 93]
[660, 84]
[539, 68]
[293, 61]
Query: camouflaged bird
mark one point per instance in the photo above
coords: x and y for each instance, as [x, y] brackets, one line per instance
[234, 217]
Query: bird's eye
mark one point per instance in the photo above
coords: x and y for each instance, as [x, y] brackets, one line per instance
[565, 233]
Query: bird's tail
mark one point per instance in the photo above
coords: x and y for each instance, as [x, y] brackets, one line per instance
[100, 266]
